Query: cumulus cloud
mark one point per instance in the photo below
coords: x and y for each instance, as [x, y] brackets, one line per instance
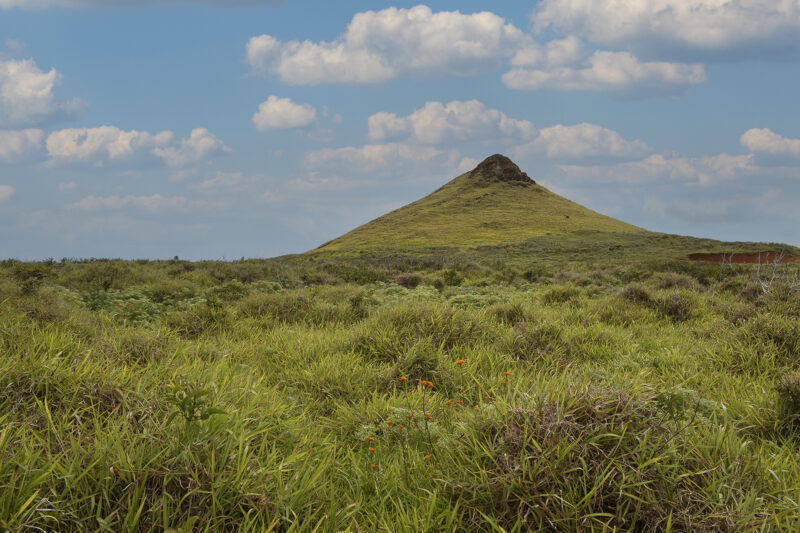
[381, 45]
[201, 145]
[455, 121]
[384, 159]
[282, 113]
[101, 145]
[763, 140]
[704, 170]
[722, 29]
[109, 144]
[26, 95]
[6, 192]
[19, 145]
[580, 141]
[152, 204]
[618, 72]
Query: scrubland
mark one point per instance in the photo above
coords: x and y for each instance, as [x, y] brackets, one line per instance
[596, 383]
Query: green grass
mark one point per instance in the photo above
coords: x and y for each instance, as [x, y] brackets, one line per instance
[606, 384]
[479, 208]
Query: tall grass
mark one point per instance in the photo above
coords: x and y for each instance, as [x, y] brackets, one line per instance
[237, 396]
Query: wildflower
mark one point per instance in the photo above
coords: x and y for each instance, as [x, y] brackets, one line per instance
[428, 457]
[428, 416]
[373, 466]
[448, 402]
[372, 450]
[505, 383]
[460, 362]
[350, 459]
[409, 416]
[389, 422]
[506, 373]
[437, 436]
[459, 402]
[476, 409]
[400, 427]
[403, 378]
[428, 384]
[369, 439]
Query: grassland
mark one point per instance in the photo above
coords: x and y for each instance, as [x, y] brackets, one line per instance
[590, 381]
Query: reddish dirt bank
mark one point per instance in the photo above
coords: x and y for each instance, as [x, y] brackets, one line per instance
[750, 258]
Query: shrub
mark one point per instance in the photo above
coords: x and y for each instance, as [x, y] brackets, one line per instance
[637, 294]
[560, 294]
[409, 281]
[452, 278]
[608, 451]
[788, 403]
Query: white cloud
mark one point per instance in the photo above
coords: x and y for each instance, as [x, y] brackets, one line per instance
[455, 121]
[109, 144]
[618, 72]
[684, 28]
[154, 203]
[67, 186]
[384, 159]
[704, 170]
[222, 181]
[6, 192]
[763, 140]
[100, 145]
[381, 45]
[26, 95]
[282, 113]
[200, 145]
[580, 141]
[17, 145]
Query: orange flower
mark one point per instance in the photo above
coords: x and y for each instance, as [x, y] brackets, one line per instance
[428, 416]
[389, 422]
[373, 466]
[459, 402]
[428, 457]
[460, 362]
[428, 384]
[437, 436]
[505, 383]
[409, 416]
[506, 373]
[369, 439]
[476, 409]
[350, 459]
[400, 427]
[448, 402]
[404, 378]
[372, 450]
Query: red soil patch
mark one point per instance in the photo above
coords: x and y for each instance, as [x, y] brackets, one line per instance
[749, 258]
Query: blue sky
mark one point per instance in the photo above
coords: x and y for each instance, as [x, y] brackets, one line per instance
[211, 129]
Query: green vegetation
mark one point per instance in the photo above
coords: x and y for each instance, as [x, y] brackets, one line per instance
[493, 204]
[587, 381]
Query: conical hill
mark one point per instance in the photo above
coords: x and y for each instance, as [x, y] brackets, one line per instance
[495, 203]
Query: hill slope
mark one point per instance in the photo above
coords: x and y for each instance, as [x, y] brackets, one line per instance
[495, 203]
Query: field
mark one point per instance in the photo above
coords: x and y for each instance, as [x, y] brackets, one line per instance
[593, 381]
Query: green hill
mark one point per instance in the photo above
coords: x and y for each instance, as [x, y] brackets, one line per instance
[495, 203]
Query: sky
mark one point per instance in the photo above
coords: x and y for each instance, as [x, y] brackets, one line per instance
[221, 129]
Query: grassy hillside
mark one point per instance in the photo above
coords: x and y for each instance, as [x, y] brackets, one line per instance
[494, 204]
[588, 387]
